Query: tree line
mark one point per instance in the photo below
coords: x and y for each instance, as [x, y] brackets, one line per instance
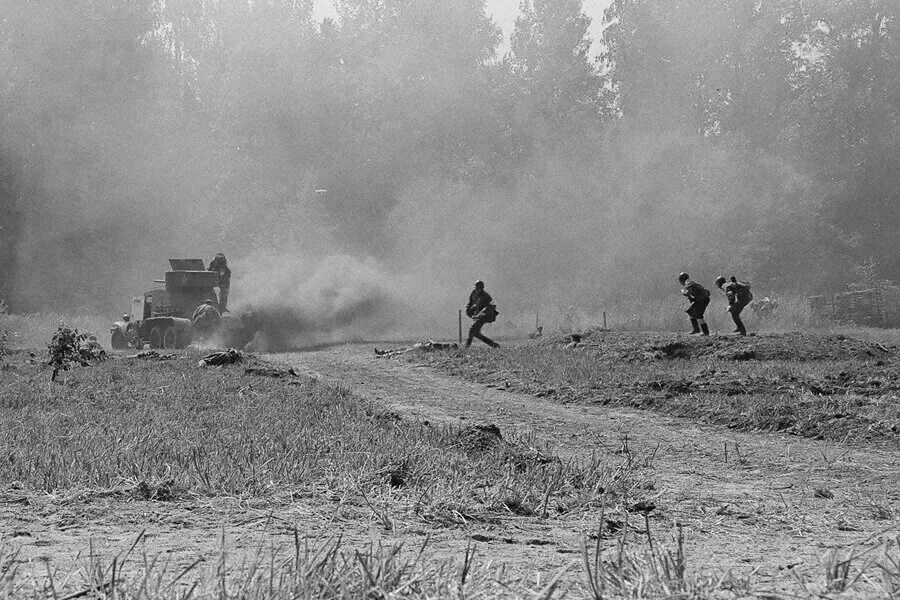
[760, 137]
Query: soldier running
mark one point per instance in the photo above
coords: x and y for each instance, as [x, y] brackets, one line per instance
[220, 265]
[739, 296]
[482, 310]
[699, 298]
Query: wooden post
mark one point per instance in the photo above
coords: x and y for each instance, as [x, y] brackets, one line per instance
[604, 319]
[460, 327]
[536, 321]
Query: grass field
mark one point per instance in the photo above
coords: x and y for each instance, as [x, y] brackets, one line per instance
[169, 431]
[147, 431]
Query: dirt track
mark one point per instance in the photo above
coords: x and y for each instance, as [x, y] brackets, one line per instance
[778, 504]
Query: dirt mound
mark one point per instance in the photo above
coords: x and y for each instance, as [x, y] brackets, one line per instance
[792, 346]
[869, 381]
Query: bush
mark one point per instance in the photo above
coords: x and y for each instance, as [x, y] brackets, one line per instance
[68, 347]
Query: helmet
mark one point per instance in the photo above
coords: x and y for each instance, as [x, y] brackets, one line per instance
[219, 255]
[209, 301]
[720, 280]
[479, 284]
[126, 318]
[683, 277]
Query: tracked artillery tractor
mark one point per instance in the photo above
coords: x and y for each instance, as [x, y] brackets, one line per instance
[162, 317]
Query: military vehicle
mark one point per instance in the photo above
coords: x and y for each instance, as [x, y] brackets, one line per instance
[162, 317]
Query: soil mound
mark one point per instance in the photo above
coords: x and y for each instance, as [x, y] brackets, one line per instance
[793, 346]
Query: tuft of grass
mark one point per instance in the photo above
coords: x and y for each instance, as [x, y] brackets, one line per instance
[653, 571]
[310, 569]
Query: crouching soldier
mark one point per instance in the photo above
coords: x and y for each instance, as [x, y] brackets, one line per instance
[482, 310]
[90, 348]
[739, 296]
[206, 320]
[699, 299]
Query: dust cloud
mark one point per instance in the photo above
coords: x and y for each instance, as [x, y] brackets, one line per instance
[117, 153]
[294, 303]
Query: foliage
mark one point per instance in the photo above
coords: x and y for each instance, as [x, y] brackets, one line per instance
[68, 348]
[761, 134]
[548, 59]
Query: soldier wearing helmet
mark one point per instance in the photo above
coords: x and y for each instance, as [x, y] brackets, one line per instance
[220, 265]
[739, 296]
[482, 310]
[699, 299]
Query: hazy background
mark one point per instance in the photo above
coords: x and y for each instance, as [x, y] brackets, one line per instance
[362, 170]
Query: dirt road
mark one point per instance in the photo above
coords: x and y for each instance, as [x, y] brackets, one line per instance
[769, 503]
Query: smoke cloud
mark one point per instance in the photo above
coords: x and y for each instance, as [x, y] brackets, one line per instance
[295, 302]
[357, 190]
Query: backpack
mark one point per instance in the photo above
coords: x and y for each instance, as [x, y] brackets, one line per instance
[744, 295]
[490, 313]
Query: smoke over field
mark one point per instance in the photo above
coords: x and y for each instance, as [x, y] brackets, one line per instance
[295, 303]
[361, 173]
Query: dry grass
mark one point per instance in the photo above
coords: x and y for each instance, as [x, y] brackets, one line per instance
[168, 428]
[310, 569]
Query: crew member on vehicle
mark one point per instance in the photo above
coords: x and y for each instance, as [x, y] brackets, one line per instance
[699, 299]
[206, 319]
[482, 310]
[220, 265]
[739, 296]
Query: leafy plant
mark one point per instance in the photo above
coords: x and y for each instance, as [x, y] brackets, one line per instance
[68, 347]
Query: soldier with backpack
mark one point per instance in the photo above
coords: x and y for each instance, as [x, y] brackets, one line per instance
[481, 309]
[739, 296]
[699, 298]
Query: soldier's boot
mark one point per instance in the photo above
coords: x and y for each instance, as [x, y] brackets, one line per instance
[705, 328]
[695, 327]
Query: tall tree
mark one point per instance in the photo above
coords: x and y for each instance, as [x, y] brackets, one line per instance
[549, 61]
[845, 123]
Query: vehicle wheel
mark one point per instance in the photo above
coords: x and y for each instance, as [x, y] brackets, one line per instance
[156, 337]
[169, 338]
[118, 341]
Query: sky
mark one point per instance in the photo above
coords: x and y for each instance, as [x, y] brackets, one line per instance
[504, 13]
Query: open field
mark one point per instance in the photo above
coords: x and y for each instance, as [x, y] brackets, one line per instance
[248, 458]
[451, 474]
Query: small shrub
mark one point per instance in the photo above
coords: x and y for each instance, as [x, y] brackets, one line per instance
[68, 347]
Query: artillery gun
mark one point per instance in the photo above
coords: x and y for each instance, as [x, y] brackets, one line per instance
[161, 318]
